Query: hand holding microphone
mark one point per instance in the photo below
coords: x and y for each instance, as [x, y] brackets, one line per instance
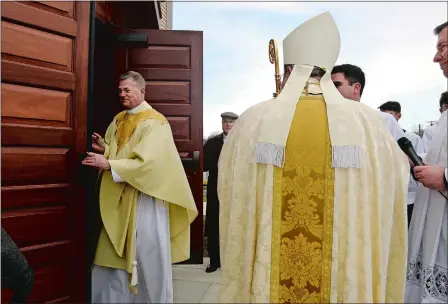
[431, 177]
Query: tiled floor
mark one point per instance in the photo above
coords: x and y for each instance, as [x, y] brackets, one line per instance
[193, 285]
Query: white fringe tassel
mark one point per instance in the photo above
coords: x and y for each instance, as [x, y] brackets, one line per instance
[270, 154]
[346, 157]
[134, 278]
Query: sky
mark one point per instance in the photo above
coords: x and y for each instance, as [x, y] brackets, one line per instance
[392, 42]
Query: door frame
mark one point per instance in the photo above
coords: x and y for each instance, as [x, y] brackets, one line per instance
[89, 176]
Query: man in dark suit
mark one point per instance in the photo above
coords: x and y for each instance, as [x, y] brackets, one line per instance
[212, 150]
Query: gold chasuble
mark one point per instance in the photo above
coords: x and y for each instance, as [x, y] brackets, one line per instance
[303, 210]
[141, 150]
[312, 190]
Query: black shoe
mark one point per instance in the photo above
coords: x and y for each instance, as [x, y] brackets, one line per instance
[211, 268]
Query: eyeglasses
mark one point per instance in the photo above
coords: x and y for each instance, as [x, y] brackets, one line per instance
[442, 49]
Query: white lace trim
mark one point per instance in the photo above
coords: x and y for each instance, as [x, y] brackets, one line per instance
[270, 154]
[433, 280]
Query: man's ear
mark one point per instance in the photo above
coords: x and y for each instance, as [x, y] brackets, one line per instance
[358, 88]
[399, 115]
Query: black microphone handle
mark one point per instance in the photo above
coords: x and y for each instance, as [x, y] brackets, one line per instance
[414, 157]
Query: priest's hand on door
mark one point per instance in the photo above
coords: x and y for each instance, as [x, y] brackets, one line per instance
[97, 161]
[98, 143]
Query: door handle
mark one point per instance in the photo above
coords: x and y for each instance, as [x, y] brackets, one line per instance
[192, 163]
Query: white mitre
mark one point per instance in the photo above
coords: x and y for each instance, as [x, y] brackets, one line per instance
[314, 43]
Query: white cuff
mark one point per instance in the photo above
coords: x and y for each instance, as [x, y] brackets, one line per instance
[116, 177]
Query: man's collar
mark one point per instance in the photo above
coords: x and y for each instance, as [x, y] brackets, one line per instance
[141, 107]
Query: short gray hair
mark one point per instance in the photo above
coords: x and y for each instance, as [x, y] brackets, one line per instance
[136, 77]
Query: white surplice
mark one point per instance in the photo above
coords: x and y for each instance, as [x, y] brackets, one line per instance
[427, 274]
[428, 134]
[392, 125]
[419, 149]
[153, 256]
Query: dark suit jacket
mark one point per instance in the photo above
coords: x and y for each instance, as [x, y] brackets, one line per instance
[212, 150]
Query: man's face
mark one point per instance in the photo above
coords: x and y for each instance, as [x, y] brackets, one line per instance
[441, 56]
[130, 95]
[352, 92]
[394, 114]
[227, 124]
[444, 108]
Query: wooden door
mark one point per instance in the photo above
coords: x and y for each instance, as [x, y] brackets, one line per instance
[171, 63]
[44, 60]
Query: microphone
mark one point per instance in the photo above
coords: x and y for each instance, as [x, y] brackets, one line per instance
[408, 149]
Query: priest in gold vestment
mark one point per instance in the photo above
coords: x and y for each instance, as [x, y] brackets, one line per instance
[145, 201]
[313, 191]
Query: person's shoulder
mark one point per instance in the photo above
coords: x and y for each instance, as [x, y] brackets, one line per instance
[389, 119]
[215, 138]
[363, 109]
[386, 116]
[412, 135]
[370, 114]
[155, 115]
[255, 112]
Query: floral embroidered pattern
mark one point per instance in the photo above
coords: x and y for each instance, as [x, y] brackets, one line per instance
[306, 209]
[433, 280]
[300, 261]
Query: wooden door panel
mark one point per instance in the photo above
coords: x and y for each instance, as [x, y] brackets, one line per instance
[32, 196]
[44, 97]
[17, 134]
[39, 17]
[36, 75]
[173, 57]
[29, 165]
[63, 8]
[162, 92]
[25, 44]
[171, 64]
[52, 282]
[48, 253]
[37, 104]
[43, 225]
